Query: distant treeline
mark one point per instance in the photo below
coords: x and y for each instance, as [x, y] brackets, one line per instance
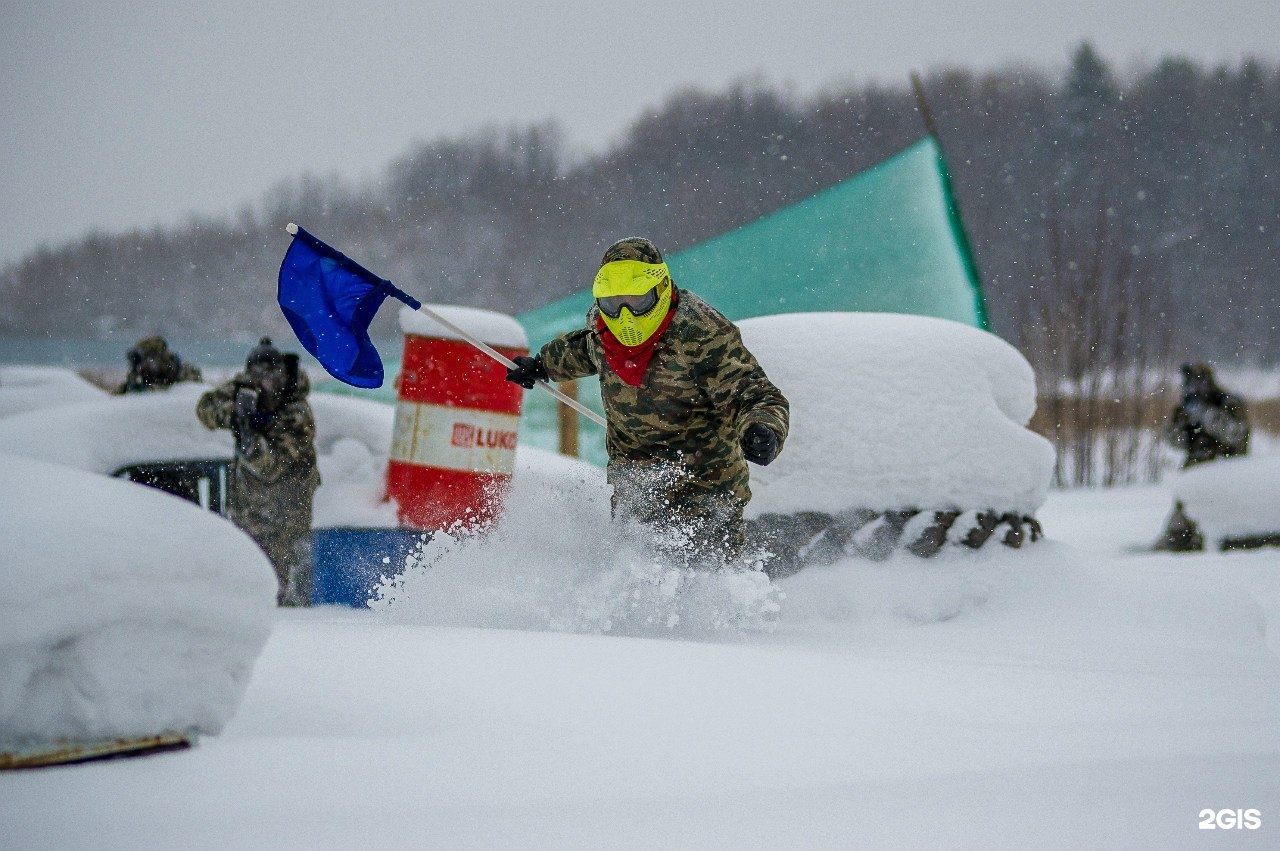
[1166, 180]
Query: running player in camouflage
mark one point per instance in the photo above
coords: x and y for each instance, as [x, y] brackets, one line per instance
[687, 404]
[152, 366]
[275, 475]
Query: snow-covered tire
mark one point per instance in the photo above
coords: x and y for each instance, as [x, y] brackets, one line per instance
[812, 537]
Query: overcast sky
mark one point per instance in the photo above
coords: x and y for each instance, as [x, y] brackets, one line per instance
[115, 115]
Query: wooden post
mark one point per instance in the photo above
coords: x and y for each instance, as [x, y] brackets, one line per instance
[926, 114]
[568, 419]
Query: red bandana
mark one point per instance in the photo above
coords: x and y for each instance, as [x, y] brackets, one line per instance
[630, 362]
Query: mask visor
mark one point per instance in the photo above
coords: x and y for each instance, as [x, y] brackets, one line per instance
[639, 305]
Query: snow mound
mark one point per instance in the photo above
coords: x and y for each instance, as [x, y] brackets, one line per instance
[353, 488]
[1232, 497]
[892, 411]
[353, 437]
[30, 388]
[105, 435]
[123, 611]
[112, 432]
[345, 418]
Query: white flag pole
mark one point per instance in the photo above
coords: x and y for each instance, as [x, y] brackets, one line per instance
[509, 364]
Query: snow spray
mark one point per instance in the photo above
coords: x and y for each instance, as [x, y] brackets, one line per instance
[556, 561]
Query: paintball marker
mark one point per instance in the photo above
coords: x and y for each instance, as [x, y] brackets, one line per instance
[246, 408]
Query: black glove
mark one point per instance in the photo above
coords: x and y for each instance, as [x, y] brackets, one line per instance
[528, 371]
[759, 444]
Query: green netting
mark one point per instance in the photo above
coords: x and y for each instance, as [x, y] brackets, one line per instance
[885, 240]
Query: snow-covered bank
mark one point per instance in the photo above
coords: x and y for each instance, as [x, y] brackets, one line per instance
[1232, 497]
[1074, 723]
[893, 411]
[123, 611]
[353, 437]
[31, 388]
[1062, 696]
[105, 434]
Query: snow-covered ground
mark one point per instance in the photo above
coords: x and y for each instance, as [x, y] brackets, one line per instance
[547, 686]
[29, 388]
[1215, 493]
[1073, 694]
[1069, 695]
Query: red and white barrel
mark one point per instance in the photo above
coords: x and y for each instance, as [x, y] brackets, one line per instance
[457, 419]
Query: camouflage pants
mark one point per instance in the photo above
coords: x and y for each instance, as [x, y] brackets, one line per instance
[290, 554]
[687, 524]
[278, 518]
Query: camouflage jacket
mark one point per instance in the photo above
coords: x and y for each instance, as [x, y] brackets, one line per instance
[1209, 428]
[700, 393]
[272, 484]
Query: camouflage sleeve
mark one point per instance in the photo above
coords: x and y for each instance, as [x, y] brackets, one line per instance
[217, 408]
[187, 372]
[568, 356]
[285, 442]
[736, 384]
[1229, 423]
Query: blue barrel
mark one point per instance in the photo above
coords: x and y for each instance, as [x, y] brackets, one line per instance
[349, 563]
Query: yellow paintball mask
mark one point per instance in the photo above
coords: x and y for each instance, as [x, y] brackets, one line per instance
[633, 297]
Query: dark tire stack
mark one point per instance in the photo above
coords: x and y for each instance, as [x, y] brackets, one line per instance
[813, 537]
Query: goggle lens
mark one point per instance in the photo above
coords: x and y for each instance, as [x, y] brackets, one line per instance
[639, 305]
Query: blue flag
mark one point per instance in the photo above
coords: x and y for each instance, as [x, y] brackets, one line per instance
[329, 300]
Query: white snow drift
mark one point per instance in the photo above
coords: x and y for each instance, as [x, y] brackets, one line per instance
[893, 411]
[352, 439]
[1232, 497]
[30, 388]
[123, 611]
[103, 435]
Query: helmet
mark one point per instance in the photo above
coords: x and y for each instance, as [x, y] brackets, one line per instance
[633, 290]
[1192, 371]
[633, 248]
[1197, 378]
[151, 364]
[264, 354]
[274, 373]
[154, 348]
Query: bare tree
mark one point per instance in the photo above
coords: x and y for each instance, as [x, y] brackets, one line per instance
[1099, 339]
